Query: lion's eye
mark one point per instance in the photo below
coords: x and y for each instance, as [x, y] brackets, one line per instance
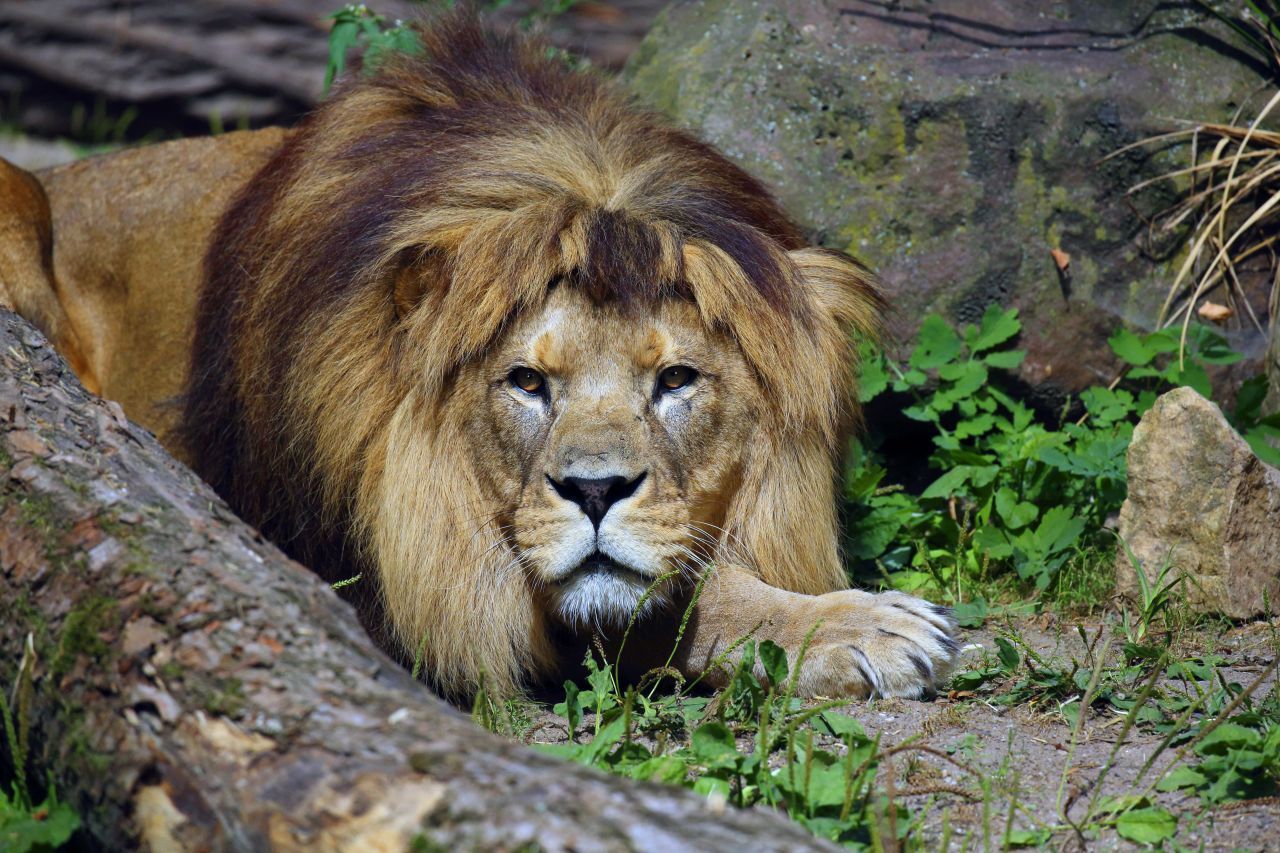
[527, 380]
[676, 377]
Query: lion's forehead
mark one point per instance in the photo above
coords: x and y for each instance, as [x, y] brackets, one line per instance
[572, 338]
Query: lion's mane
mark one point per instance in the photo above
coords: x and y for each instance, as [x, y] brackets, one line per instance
[390, 240]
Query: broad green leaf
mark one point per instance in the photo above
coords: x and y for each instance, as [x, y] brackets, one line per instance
[871, 535]
[839, 725]
[951, 483]
[1058, 529]
[1131, 348]
[873, 379]
[1006, 359]
[713, 740]
[341, 39]
[938, 344]
[1249, 399]
[661, 768]
[1008, 655]
[24, 832]
[967, 376]
[971, 614]
[1016, 513]
[601, 681]
[1028, 837]
[977, 425]
[1192, 374]
[909, 581]
[1262, 447]
[972, 679]
[998, 326]
[992, 542]
[862, 482]
[921, 413]
[910, 379]
[590, 754]
[709, 786]
[1228, 736]
[571, 707]
[1147, 826]
[774, 659]
[1211, 347]
[826, 784]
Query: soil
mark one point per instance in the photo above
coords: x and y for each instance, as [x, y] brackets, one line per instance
[1025, 749]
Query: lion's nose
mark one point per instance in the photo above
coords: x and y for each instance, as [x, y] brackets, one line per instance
[596, 494]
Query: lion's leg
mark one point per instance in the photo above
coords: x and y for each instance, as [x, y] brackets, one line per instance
[890, 644]
[27, 282]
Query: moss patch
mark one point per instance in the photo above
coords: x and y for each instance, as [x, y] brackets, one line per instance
[81, 633]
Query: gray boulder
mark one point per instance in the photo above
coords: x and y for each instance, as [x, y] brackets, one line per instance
[953, 145]
[1199, 497]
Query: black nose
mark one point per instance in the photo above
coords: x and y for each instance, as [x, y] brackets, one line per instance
[596, 494]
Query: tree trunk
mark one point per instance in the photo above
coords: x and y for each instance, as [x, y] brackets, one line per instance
[83, 66]
[196, 689]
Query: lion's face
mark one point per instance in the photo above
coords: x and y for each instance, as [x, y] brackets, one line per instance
[612, 440]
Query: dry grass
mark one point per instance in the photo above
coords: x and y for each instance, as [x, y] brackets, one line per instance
[1229, 194]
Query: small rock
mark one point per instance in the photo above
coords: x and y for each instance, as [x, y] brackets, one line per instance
[166, 706]
[26, 441]
[141, 634]
[32, 338]
[103, 553]
[1198, 493]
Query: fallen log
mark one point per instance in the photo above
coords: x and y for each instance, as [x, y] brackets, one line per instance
[195, 689]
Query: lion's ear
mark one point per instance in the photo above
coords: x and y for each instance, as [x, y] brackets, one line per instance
[841, 289]
[414, 276]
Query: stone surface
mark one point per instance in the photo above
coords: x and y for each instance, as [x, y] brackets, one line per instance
[953, 146]
[1197, 492]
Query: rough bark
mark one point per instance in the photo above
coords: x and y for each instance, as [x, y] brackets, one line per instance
[194, 687]
[179, 64]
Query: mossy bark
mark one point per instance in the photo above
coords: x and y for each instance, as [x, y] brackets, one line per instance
[195, 689]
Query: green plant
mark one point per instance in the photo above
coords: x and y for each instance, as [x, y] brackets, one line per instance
[24, 824]
[754, 743]
[1154, 595]
[1171, 357]
[1020, 503]
[355, 26]
[1014, 497]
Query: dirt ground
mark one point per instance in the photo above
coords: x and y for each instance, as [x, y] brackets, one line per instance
[1025, 750]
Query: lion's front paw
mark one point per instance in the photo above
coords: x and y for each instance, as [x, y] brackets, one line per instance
[891, 644]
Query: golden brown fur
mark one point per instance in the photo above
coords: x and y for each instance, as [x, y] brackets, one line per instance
[367, 294]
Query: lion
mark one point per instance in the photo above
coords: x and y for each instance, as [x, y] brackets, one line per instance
[529, 362]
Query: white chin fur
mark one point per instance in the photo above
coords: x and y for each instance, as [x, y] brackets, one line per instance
[601, 597]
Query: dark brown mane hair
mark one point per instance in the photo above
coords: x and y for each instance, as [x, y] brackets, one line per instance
[416, 210]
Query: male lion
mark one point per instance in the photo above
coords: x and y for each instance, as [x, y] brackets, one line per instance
[490, 335]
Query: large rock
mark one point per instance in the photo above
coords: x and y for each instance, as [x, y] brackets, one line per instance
[1199, 497]
[953, 145]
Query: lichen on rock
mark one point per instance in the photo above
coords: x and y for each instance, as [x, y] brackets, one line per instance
[953, 150]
